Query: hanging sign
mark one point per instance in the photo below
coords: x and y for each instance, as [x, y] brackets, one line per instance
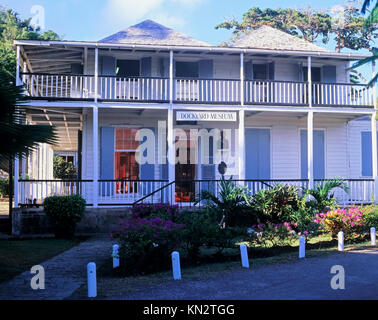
[205, 116]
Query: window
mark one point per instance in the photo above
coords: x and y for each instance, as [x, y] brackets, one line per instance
[187, 69]
[126, 167]
[260, 71]
[128, 68]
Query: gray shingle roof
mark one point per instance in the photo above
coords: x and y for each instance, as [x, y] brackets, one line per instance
[267, 37]
[151, 32]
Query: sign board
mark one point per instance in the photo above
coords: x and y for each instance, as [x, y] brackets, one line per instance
[205, 116]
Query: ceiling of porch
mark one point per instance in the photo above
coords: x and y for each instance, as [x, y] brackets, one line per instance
[66, 122]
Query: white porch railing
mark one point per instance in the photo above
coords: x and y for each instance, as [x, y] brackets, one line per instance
[126, 192]
[59, 86]
[342, 94]
[361, 191]
[227, 91]
[138, 88]
[35, 191]
[276, 92]
[207, 90]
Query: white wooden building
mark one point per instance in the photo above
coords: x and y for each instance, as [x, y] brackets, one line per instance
[285, 108]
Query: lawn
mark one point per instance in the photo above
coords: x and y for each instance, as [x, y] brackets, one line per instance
[110, 282]
[18, 256]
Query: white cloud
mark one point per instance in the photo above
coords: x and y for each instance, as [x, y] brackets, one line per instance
[123, 13]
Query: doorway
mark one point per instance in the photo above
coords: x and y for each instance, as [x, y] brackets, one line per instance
[185, 173]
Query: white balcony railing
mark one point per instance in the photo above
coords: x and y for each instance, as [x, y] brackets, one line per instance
[225, 91]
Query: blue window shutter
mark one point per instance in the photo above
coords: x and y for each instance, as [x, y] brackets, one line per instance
[248, 72]
[108, 66]
[318, 154]
[107, 156]
[147, 171]
[304, 154]
[366, 157]
[145, 67]
[208, 170]
[329, 74]
[206, 69]
[257, 153]
[271, 71]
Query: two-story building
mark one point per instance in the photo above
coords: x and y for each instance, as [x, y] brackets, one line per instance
[274, 108]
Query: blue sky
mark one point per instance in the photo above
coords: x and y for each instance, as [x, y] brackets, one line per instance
[95, 19]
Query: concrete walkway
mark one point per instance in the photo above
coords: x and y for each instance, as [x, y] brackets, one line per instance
[64, 273]
[304, 279]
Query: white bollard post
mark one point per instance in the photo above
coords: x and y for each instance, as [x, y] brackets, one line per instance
[302, 247]
[92, 282]
[244, 256]
[341, 241]
[373, 236]
[115, 256]
[176, 265]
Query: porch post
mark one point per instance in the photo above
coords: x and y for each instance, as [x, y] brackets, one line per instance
[310, 129]
[171, 77]
[171, 153]
[16, 158]
[95, 156]
[241, 140]
[242, 79]
[374, 139]
[96, 75]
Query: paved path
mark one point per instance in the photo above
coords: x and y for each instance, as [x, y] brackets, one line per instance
[304, 279]
[64, 273]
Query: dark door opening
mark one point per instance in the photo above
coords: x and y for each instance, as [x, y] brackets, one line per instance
[128, 68]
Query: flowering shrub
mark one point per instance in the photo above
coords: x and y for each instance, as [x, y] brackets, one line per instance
[162, 210]
[352, 221]
[273, 234]
[146, 244]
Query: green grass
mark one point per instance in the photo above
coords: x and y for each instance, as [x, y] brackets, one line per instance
[18, 256]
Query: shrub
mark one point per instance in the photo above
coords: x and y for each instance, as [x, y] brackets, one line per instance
[4, 188]
[162, 210]
[277, 203]
[271, 234]
[202, 228]
[63, 169]
[370, 216]
[323, 194]
[146, 244]
[65, 212]
[229, 200]
[351, 221]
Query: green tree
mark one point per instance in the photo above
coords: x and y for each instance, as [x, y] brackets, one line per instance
[371, 21]
[16, 137]
[63, 169]
[12, 27]
[346, 25]
[306, 24]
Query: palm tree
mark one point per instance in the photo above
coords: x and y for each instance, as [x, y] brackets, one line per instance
[370, 20]
[17, 138]
[322, 193]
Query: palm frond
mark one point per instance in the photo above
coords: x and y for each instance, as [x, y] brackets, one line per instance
[363, 61]
[365, 5]
[372, 18]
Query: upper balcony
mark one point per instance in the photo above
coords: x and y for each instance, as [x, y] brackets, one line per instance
[150, 63]
[195, 91]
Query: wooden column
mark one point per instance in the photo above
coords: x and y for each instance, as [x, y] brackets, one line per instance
[310, 129]
[374, 138]
[95, 155]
